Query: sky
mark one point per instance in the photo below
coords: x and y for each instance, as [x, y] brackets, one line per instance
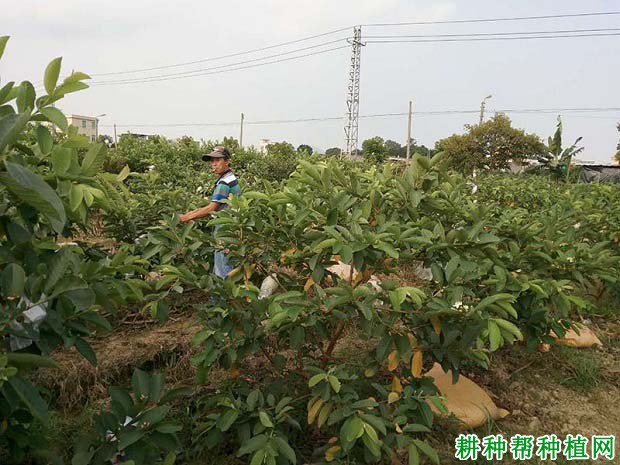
[99, 37]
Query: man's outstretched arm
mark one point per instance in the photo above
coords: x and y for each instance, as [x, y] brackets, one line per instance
[200, 212]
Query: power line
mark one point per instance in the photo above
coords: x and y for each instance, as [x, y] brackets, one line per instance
[493, 20]
[221, 57]
[146, 80]
[196, 71]
[478, 39]
[482, 34]
[335, 31]
[381, 115]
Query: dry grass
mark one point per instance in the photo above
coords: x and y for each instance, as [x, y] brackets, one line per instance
[153, 346]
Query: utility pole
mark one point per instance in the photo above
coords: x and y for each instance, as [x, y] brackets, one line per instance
[353, 95]
[97, 126]
[115, 141]
[241, 133]
[482, 107]
[409, 131]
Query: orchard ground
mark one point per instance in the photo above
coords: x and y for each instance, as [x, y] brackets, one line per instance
[564, 391]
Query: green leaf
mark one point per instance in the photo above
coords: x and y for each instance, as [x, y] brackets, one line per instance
[155, 415]
[371, 445]
[397, 297]
[82, 298]
[388, 249]
[98, 320]
[76, 195]
[57, 268]
[168, 428]
[3, 41]
[335, 383]
[30, 397]
[416, 428]
[156, 386]
[5, 91]
[31, 189]
[61, 159]
[51, 75]
[226, 420]
[346, 254]
[140, 384]
[170, 459]
[76, 141]
[13, 279]
[352, 429]
[127, 439]
[176, 393]
[414, 457]
[495, 337]
[371, 432]
[484, 303]
[11, 127]
[264, 419]
[259, 457]
[70, 87]
[324, 244]
[25, 97]
[82, 458]
[252, 444]
[75, 76]
[316, 379]
[377, 422]
[437, 272]
[123, 174]
[94, 159]
[252, 399]
[86, 350]
[286, 450]
[510, 327]
[430, 452]
[451, 268]
[54, 115]
[121, 396]
[44, 139]
[30, 361]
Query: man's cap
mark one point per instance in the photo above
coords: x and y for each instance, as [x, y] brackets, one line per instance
[218, 151]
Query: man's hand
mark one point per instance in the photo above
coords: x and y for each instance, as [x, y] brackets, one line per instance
[199, 213]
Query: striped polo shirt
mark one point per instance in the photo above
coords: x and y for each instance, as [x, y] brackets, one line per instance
[226, 185]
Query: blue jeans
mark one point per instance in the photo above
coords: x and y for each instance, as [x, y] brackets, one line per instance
[221, 267]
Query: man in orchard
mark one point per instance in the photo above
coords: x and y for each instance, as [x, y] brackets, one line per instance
[226, 185]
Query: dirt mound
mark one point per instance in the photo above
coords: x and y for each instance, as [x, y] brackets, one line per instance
[153, 345]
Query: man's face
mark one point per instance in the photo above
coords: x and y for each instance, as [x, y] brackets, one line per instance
[219, 165]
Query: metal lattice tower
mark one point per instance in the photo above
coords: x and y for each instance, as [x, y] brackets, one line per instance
[353, 94]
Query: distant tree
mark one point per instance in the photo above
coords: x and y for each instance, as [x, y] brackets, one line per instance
[281, 149]
[490, 145]
[557, 160]
[333, 151]
[392, 148]
[230, 143]
[374, 150]
[304, 148]
[280, 161]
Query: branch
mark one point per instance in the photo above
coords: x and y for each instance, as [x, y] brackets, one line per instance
[332, 343]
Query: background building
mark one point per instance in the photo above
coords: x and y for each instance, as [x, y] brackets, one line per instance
[87, 125]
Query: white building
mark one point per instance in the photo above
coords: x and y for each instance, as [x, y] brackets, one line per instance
[262, 145]
[86, 125]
